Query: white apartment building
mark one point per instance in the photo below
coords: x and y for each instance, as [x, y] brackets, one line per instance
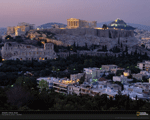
[76, 76]
[147, 45]
[144, 65]
[114, 71]
[92, 73]
[121, 79]
[109, 67]
[146, 73]
[138, 76]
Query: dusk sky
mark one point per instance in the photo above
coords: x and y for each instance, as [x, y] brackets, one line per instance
[44, 11]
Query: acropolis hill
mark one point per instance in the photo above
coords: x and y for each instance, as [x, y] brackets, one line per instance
[83, 32]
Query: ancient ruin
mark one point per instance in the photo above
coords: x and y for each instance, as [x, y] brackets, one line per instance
[77, 23]
[14, 51]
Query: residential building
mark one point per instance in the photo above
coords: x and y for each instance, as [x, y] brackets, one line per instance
[114, 70]
[109, 67]
[138, 76]
[92, 73]
[74, 89]
[121, 79]
[146, 73]
[76, 76]
[144, 65]
[127, 73]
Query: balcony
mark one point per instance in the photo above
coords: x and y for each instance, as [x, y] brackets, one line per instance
[60, 92]
[60, 88]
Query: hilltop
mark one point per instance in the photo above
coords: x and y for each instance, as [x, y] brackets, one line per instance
[138, 26]
[49, 25]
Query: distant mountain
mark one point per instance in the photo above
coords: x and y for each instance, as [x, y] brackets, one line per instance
[138, 26]
[49, 25]
[101, 24]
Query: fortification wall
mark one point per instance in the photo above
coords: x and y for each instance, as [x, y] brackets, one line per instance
[111, 33]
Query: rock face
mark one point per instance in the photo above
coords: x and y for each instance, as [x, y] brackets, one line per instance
[111, 33]
[89, 40]
[89, 36]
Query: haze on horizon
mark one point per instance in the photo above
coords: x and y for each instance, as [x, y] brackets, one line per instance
[44, 11]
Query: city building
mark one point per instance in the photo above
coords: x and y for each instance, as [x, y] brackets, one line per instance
[74, 90]
[144, 65]
[92, 73]
[13, 51]
[138, 76]
[114, 70]
[109, 67]
[20, 29]
[76, 76]
[121, 79]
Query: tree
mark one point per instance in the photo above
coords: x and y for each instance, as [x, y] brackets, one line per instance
[56, 48]
[104, 26]
[127, 104]
[18, 96]
[122, 87]
[110, 35]
[19, 40]
[82, 79]
[26, 82]
[3, 100]
[119, 92]
[145, 54]
[74, 45]
[135, 53]
[39, 43]
[118, 40]
[86, 46]
[126, 50]
[9, 37]
[43, 84]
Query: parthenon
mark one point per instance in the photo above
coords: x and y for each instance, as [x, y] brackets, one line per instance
[73, 23]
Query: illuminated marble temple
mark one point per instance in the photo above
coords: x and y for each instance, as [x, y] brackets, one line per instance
[73, 23]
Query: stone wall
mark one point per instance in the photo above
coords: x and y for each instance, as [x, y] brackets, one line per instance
[13, 51]
[89, 36]
[95, 32]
